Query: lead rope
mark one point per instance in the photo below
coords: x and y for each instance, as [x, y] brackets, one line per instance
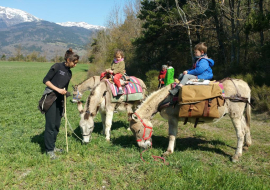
[65, 102]
[66, 121]
[73, 131]
[155, 157]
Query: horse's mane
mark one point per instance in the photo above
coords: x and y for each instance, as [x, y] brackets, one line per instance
[153, 97]
[92, 94]
[86, 80]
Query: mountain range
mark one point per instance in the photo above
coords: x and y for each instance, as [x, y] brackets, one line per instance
[21, 29]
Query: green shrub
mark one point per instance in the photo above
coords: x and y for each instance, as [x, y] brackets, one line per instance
[248, 78]
[152, 80]
[261, 98]
[259, 94]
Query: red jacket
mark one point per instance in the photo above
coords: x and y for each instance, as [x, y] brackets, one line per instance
[162, 75]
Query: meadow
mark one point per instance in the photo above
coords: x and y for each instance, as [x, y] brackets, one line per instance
[201, 159]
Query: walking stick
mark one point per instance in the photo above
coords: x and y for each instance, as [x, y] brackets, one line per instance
[65, 102]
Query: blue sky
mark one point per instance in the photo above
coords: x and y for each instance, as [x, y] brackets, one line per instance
[94, 12]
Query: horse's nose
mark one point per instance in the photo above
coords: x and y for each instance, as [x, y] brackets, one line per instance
[85, 143]
[74, 100]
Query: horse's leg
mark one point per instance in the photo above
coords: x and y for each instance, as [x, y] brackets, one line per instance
[173, 126]
[237, 122]
[103, 119]
[108, 123]
[247, 137]
[129, 112]
[246, 126]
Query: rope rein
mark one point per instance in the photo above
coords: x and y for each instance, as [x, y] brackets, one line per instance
[154, 157]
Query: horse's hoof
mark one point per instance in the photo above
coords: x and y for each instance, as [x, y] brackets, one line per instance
[108, 140]
[235, 159]
[245, 148]
[128, 129]
[167, 153]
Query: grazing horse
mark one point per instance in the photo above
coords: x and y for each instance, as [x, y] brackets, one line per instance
[100, 100]
[88, 84]
[141, 126]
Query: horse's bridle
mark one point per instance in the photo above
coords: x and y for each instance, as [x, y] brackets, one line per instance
[145, 127]
[77, 96]
[89, 132]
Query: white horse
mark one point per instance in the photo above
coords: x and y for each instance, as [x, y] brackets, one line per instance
[141, 125]
[88, 84]
[100, 100]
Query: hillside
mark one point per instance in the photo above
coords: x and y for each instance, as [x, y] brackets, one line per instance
[42, 36]
[20, 29]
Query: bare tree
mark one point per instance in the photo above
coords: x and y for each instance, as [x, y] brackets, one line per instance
[186, 24]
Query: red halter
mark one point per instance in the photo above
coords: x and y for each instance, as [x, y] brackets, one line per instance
[145, 126]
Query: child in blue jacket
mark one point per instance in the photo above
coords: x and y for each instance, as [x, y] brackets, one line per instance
[201, 68]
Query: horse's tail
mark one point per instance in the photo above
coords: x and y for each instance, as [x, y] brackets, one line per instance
[248, 114]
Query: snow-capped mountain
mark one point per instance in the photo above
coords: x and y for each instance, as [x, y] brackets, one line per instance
[81, 24]
[10, 17]
[19, 28]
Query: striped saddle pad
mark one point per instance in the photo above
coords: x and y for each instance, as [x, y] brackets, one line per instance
[132, 87]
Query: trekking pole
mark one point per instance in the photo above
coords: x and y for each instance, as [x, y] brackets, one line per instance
[65, 106]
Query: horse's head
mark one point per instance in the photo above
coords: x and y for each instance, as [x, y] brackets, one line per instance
[142, 130]
[76, 94]
[86, 123]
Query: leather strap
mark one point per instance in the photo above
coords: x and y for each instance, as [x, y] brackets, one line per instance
[196, 122]
[127, 93]
[186, 120]
[190, 110]
[205, 111]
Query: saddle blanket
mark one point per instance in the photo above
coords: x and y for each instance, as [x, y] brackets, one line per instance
[132, 87]
[222, 89]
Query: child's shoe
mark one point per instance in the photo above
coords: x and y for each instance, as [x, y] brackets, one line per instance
[120, 92]
[175, 90]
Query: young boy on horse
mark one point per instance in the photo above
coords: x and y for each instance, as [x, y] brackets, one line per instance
[117, 70]
[201, 68]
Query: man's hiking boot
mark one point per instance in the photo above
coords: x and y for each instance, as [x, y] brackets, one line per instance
[58, 150]
[175, 90]
[52, 155]
[120, 92]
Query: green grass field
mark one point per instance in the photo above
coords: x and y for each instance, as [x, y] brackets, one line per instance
[201, 159]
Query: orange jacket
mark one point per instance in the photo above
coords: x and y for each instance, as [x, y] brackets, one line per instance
[162, 75]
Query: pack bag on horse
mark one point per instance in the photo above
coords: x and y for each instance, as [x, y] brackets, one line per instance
[200, 101]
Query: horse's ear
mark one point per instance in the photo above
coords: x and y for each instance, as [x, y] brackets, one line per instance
[73, 87]
[130, 116]
[134, 117]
